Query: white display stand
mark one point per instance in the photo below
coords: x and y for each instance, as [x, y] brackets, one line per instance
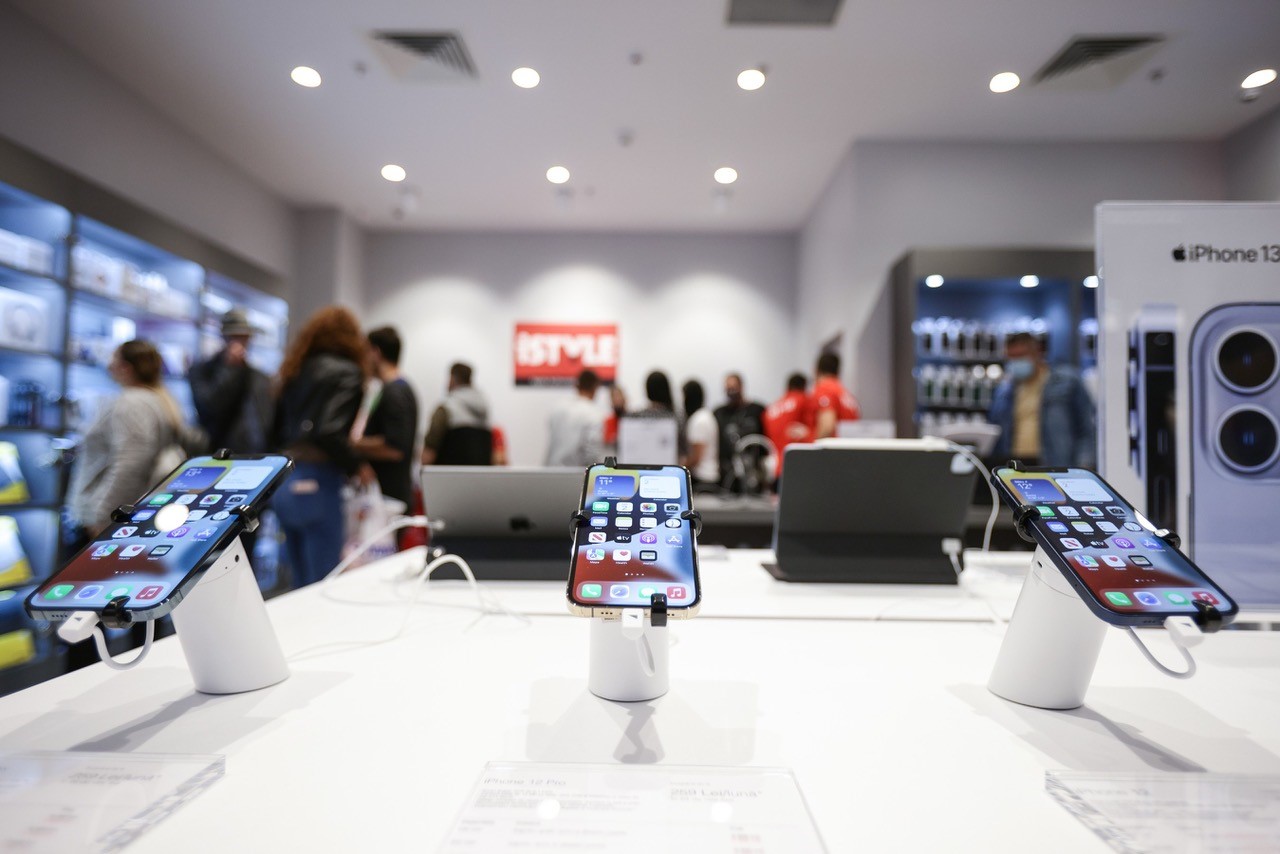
[1050, 646]
[225, 632]
[630, 658]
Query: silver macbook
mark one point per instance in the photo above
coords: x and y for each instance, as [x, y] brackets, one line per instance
[506, 522]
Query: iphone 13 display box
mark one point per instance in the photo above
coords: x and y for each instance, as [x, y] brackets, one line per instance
[1189, 401]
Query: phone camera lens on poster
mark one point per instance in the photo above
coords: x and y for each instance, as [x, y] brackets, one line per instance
[1248, 440]
[1247, 360]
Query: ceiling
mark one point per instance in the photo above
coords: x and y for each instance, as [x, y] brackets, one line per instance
[659, 71]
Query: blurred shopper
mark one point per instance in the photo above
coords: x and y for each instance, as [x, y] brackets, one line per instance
[702, 437]
[391, 432]
[830, 403]
[499, 445]
[137, 438]
[575, 432]
[787, 419]
[459, 431]
[618, 407]
[1045, 413]
[660, 405]
[737, 418]
[233, 399]
[321, 384]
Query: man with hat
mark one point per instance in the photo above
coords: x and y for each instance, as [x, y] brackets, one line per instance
[233, 399]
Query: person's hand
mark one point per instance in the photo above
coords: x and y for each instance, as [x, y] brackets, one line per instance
[237, 353]
[366, 475]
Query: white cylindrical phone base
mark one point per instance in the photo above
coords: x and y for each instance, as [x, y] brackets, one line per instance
[1050, 646]
[625, 668]
[225, 632]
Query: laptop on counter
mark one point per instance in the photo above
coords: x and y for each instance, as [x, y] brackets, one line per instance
[875, 511]
[507, 523]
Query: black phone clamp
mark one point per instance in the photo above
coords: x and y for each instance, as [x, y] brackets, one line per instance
[577, 519]
[1022, 519]
[695, 521]
[123, 513]
[658, 610]
[1207, 617]
[114, 615]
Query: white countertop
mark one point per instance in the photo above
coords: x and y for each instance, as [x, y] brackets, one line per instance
[880, 709]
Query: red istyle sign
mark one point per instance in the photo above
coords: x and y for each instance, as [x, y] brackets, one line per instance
[554, 353]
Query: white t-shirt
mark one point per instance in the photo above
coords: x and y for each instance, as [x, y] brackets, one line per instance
[575, 435]
[703, 430]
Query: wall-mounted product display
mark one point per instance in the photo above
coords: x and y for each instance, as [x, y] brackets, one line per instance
[1192, 426]
[125, 288]
[72, 289]
[955, 309]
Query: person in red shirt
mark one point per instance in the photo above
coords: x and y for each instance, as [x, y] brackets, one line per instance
[830, 403]
[786, 421]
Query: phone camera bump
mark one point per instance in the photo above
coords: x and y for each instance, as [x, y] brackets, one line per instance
[1247, 360]
[1248, 439]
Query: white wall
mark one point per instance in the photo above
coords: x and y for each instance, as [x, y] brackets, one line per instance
[1252, 158]
[57, 104]
[889, 197]
[694, 306]
[329, 264]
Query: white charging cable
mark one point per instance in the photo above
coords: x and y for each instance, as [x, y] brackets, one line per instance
[986, 474]
[1185, 634]
[83, 625]
[488, 603]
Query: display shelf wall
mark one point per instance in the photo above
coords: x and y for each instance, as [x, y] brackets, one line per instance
[72, 289]
[949, 339]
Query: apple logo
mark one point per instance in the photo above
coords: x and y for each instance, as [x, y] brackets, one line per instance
[1180, 254]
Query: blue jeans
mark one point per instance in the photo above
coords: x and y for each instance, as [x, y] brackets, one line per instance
[309, 505]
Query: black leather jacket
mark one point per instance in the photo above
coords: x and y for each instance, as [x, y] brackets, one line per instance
[316, 411]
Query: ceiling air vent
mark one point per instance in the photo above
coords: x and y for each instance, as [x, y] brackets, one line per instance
[1097, 62]
[423, 56]
[820, 13]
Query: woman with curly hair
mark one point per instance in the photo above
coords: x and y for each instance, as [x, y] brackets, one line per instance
[321, 382]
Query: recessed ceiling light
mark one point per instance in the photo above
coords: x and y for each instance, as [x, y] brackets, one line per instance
[1259, 78]
[751, 79]
[1029, 281]
[525, 78]
[1005, 81]
[726, 175]
[304, 75]
[392, 172]
[934, 281]
[557, 175]
[1090, 281]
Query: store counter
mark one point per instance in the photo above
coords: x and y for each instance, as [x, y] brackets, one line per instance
[881, 712]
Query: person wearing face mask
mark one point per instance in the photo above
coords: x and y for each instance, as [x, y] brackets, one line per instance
[1045, 413]
[737, 418]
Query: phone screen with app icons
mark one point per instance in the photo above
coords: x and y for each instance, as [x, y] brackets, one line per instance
[635, 540]
[171, 534]
[1131, 573]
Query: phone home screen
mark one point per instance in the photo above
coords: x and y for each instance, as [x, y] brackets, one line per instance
[168, 535]
[1112, 549]
[635, 542]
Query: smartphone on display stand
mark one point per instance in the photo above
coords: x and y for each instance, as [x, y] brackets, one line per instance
[155, 554]
[1152, 398]
[1235, 447]
[635, 538]
[1111, 554]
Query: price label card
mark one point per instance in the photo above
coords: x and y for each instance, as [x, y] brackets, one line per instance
[1159, 813]
[623, 809]
[73, 801]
